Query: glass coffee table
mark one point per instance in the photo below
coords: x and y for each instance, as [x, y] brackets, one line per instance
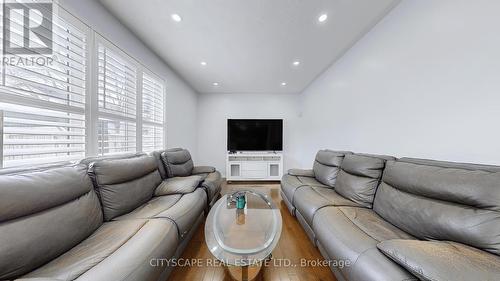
[242, 230]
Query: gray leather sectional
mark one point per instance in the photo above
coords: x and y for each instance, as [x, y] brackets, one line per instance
[104, 218]
[399, 219]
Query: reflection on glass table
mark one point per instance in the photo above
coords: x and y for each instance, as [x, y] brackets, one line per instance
[242, 230]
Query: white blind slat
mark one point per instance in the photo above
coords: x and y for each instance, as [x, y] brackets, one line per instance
[17, 152]
[43, 141]
[116, 136]
[116, 83]
[152, 112]
[39, 135]
[62, 80]
[41, 160]
[49, 124]
[152, 100]
[44, 106]
[152, 137]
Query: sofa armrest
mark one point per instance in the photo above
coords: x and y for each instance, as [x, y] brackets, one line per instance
[301, 172]
[202, 170]
[442, 260]
[178, 185]
[212, 184]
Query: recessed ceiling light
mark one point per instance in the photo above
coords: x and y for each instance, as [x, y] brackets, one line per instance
[215, 83]
[296, 63]
[322, 17]
[176, 17]
[203, 63]
[283, 83]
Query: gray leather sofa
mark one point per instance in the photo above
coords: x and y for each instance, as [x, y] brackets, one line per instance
[382, 218]
[108, 218]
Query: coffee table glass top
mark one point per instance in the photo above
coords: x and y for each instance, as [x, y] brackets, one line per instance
[243, 236]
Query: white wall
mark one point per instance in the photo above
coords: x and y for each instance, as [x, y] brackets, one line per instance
[215, 109]
[425, 82]
[181, 98]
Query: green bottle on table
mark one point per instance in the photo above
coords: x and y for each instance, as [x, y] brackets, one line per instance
[240, 201]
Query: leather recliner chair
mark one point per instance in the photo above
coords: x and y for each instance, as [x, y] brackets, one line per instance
[177, 167]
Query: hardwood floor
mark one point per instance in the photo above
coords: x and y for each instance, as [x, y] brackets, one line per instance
[293, 246]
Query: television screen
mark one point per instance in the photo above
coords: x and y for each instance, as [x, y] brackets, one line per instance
[254, 134]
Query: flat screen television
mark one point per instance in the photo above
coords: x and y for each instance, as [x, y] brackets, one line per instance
[254, 134]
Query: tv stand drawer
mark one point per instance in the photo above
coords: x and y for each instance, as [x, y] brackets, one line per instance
[254, 166]
[254, 174]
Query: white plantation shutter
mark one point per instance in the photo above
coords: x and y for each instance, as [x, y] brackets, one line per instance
[153, 99]
[42, 107]
[152, 137]
[115, 136]
[61, 81]
[32, 135]
[51, 112]
[117, 104]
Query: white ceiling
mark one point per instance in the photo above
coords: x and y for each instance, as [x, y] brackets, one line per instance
[249, 45]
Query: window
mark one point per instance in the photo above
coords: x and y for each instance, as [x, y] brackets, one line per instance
[87, 98]
[42, 108]
[152, 113]
[117, 104]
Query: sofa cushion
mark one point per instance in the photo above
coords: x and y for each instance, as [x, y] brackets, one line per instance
[359, 177]
[178, 162]
[446, 164]
[105, 241]
[186, 211]
[326, 166]
[124, 184]
[289, 185]
[156, 239]
[311, 181]
[436, 260]
[89, 160]
[32, 191]
[352, 234]
[309, 199]
[440, 203]
[183, 210]
[44, 213]
[178, 185]
[34, 168]
[152, 208]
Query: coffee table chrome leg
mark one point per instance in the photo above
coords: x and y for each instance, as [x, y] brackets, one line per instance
[244, 273]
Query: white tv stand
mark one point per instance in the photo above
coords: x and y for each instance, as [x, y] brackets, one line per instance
[254, 166]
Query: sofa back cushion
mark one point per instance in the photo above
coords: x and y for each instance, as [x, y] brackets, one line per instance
[359, 177]
[327, 164]
[436, 201]
[178, 162]
[43, 214]
[124, 184]
[89, 160]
